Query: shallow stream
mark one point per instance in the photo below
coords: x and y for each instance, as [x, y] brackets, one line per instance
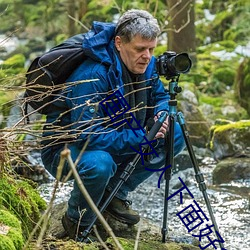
[230, 204]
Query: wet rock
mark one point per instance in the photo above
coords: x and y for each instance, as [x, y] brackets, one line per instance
[232, 139]
[231, 169]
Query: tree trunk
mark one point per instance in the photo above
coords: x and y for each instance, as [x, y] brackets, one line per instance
[71, 6]
[181, 27]
[83, 7]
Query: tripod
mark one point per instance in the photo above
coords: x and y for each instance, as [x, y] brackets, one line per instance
[173, 90]
[127, 171]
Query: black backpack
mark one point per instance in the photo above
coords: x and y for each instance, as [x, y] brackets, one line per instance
[47, 74]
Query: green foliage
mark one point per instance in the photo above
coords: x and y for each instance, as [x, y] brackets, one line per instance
[214, 101]
[60, 38]
[12, 67]
[242, 84]
[216, 67]
[221, 23]
[224, 75]
[160, 49]
[229, 23]
[49, 20]
[17, 61]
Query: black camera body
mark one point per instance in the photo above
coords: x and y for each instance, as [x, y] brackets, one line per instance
[171, 65]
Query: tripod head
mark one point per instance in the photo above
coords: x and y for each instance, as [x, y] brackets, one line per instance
[174, 89]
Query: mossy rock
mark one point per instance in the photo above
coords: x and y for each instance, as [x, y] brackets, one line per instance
[232, 139]
[21, 199]
[128, 244]
[231, 169]
[11, 237]
[150, 235]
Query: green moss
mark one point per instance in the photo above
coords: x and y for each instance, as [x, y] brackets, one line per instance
[128, 244]
[6, 243]
[16, 237]
[9, 219]
[21, 199]
[13, 239]
[91, 247]
[236, 125]
[239, 128]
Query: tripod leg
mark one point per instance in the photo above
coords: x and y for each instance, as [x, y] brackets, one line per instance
[198, 175]
[168, 173]
[164, 229]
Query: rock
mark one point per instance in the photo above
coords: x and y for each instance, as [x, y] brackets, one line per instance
[231, 169]
[231, 139]
[227, 110]
[188, 95]
[183, 160]
[149, 238]
[197, 125]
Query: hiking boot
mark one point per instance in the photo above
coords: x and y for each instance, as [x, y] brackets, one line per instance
[121, 211]
[75, 231]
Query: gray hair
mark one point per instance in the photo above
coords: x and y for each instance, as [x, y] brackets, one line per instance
[137, 22]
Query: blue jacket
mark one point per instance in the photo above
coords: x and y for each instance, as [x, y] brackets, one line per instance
[87, 119]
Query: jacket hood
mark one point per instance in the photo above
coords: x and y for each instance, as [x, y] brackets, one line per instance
[98, 42]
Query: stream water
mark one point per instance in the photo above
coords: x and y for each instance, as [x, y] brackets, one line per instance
[230, 204]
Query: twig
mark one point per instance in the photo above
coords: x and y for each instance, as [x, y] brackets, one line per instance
[77, 21]
[99, 238]
[66, 154]
[137, 236]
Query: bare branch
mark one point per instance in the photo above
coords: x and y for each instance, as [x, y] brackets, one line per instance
[66, 154]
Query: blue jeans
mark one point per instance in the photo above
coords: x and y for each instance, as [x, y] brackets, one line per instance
[100, 170]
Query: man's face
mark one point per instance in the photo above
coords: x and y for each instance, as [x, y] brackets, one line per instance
[137, 53]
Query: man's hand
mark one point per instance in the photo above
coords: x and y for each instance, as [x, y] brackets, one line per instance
[164, 128]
